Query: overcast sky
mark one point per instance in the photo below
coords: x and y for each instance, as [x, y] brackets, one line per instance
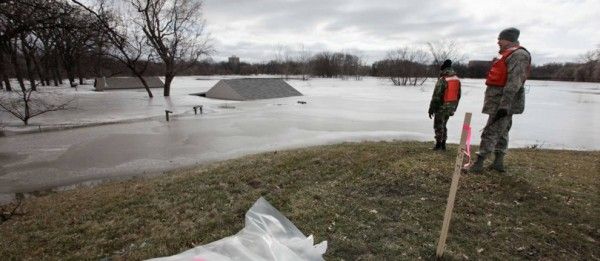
[553, 30]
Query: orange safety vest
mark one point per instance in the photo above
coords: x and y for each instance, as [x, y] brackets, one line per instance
[498, 74]
[452, 88]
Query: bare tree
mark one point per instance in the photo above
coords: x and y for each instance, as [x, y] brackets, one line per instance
[349, 65]
[284, 60]
[18, 19]
[287, 61]
[27, 104]
[323, 65]
[359, 67]
[175, 29]
[74, 37]
[36, 52]
[128, 44]
[596, 75]
[304, 57]
[12, 46]
[48, 55]
[28, 49]
[589, 69]
[338, 64]
[344, 62]
[443, 50]
[404, 66]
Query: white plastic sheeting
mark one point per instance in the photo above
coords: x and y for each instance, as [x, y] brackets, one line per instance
[267, 235]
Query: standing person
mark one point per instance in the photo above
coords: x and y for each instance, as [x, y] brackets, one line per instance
[444, 102]
[504, 96]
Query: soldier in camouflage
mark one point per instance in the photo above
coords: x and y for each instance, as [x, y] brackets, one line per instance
[444, 101]
[504, 96]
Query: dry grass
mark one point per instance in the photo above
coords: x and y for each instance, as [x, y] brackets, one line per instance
[374, 201]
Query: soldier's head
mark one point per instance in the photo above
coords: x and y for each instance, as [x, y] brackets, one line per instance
[447, 64]
[508, 37]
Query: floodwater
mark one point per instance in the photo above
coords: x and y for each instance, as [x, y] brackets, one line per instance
[558, 115]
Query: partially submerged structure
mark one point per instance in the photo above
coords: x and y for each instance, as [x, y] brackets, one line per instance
[113, 83]
[251, 89]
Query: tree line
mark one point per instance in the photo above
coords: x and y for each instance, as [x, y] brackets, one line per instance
[403, 66]
[42, 41]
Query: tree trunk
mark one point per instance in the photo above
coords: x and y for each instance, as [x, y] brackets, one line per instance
[168, 80]
[80, 73]
[71, 78]
[56, 67]
[138, 73]
[27, 58]
[26, 114]
[3, 73]
[17, 68]
[47, 73]
[56, 77]
[55, 74]
[45, 61]
[6, 82]
[169, 76]
[70, 69]
[38, 69]
[145, 85]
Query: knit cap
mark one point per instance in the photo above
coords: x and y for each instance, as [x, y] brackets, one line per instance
[447, 64]
[509, 34]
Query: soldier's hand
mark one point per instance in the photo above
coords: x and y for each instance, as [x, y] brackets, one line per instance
[430, 114]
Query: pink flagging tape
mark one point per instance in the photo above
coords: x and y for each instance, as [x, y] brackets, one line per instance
[467, 150]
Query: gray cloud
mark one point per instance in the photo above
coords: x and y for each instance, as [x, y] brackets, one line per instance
[553, 30]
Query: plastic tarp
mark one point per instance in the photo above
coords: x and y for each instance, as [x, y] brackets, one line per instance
[267, 235]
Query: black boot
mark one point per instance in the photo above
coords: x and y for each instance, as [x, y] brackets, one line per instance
[438, 146]
[443, 145]
[477, 167]
[499, 162]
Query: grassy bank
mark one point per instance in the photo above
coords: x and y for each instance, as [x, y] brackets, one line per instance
[377, 201]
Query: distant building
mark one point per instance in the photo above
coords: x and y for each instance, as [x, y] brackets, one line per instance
[234, 64]
[112, 83]
[251, 89]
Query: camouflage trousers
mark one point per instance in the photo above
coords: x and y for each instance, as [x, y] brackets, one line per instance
[495, 135]
[439, 126]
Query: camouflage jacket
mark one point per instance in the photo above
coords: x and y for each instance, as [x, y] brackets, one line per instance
[511, 97]
[437, 104]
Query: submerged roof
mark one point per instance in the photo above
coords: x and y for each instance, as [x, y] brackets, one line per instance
[126, 83]
[251, 89]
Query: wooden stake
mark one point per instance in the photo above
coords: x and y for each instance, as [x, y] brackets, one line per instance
[453, 187]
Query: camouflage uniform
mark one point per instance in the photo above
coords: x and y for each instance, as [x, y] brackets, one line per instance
[442, 110]
[511, 97]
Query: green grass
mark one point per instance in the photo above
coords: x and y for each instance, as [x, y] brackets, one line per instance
[374, 201]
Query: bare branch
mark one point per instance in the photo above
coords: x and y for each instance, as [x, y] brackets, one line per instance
[24, 105]
[175, 30]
